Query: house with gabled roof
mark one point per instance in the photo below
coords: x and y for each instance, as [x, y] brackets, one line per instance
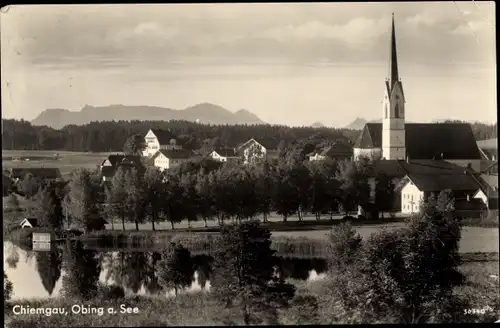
[338, 150]
[157, 139]
[223, 155]
[395, 139]
[166, 159]
[257, 149]
[110, 165]
[426, 177]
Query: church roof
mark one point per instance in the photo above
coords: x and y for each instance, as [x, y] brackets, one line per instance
[427, 140]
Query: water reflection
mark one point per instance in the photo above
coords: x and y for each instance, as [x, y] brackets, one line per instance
[73, 270]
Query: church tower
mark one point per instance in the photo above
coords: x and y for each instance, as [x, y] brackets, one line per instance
[393, 119]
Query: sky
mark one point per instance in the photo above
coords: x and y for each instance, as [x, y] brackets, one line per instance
[289, 63]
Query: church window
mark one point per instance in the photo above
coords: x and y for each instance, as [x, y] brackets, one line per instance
[396, 111]
[385, 110]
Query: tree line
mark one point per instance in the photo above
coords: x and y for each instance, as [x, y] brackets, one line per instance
[110, 136]
[208, 190]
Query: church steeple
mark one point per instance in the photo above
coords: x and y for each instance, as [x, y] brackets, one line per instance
[393, 74]
[393, 123]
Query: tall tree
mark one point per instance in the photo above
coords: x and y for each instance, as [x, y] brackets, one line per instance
[154, 188]
[173, 206]
[49, 208]
[116, 196]
[83, 199]
[353, 178]
[134, 145]
[29, 185]
[135, 197]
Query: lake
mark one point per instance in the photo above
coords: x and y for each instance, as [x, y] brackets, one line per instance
[39, 274]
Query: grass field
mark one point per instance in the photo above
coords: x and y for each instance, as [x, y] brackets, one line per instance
[66, 161]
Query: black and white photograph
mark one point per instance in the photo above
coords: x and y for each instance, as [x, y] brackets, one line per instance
[223, 164]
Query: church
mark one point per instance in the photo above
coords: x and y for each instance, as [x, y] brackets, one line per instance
[394, 139]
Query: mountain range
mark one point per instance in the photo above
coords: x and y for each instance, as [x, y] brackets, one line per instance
[202, 113]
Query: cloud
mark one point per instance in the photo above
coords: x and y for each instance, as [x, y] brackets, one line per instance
[356, 31]
[421, 19]
[471, 27]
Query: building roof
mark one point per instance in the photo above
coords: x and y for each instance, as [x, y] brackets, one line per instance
[268, 143]
[163, 136]
[116, 159]
[390, 168]
[438, 175]
[338, 148]
[427, 140]
[174, 153]
[488, 144]
[39, 172]
[32, 221]
[226, 152]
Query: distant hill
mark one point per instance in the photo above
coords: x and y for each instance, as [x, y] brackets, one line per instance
[203, 113]
[359, 123]
[317, 125]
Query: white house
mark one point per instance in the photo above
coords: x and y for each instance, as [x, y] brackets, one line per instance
[165, 159]
[411, 197]
[251, 151]
[223, 155]
[431, 177]
[157, 139]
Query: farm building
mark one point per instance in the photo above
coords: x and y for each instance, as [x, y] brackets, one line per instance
[165, 159]
[157, 139]
[223, 155]
[424, 178]
[255, 149]
[339, 151]
[111, 164]
[29, 223]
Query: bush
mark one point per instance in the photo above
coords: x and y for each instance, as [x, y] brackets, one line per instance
[343, 246]
[303, 311]
[7, 287]
[403, 276]
[110, 292]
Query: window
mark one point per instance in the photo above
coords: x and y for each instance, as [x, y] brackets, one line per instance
[386, 110]
[396, 111]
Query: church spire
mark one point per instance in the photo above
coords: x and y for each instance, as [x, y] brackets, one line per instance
[393, 73]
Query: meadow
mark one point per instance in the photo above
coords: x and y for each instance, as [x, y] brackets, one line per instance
[65, 161]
